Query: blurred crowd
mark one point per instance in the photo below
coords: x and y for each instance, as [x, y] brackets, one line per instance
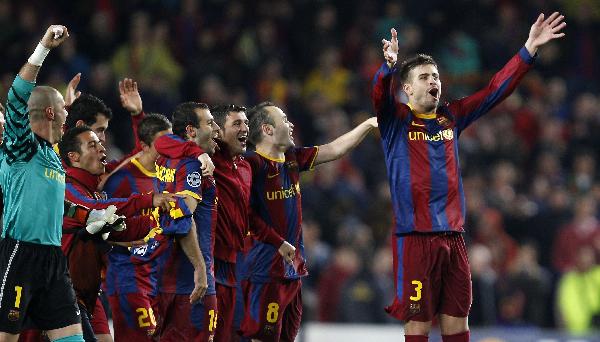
[530, 167]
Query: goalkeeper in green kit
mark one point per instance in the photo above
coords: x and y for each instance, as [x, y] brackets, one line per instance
[35, 286]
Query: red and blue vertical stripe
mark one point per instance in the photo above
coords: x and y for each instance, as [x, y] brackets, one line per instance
[421, 150]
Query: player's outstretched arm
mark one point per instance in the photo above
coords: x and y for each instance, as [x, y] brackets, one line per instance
[54, 36]
[342, 145]
[382, 95]
[543, 31]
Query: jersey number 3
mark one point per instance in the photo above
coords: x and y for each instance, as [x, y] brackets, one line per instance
[418, 288]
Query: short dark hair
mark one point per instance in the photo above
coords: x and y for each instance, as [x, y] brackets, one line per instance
[70, 142]
[86, 107]
[184, 115]
[258, 116]
[407, 65]
[150, 125]
[220, 112]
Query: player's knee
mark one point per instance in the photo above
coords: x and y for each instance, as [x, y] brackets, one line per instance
[417, 328]
[72, 338]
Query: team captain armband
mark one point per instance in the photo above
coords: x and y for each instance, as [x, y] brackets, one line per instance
[76, 211]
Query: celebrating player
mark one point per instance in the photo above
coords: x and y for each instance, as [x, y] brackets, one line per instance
[36, 285]
[271, 285]
[419, 140]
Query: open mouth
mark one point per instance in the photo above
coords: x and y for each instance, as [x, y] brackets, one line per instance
[434, 92]
[243, 140]
[103, 160]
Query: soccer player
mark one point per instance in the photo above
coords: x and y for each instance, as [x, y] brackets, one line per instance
[421, 153]
[271, 286]
[234, 178]
[178, 319]
[36, 283]
[129, 285]
[89, 110]
[84, 157]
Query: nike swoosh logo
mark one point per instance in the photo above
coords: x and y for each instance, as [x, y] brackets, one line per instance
[416, 124]
[77, 312]
[272, 176]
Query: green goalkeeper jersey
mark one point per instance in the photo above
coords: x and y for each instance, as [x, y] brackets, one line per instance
[31, 176]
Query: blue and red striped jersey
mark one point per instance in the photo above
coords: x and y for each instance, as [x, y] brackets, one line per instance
[276, 199]
[234, 178]
[122, 275]
[175, 273]
[421, 150]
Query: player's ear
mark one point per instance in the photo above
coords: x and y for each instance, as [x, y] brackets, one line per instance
[49, 113]
[190, 131]
[79, 123]
[407, 88]
[267, 129]
[145, 147]
[73, 156]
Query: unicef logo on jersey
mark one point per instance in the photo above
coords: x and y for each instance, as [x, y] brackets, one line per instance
[194, 179]
[444, 135]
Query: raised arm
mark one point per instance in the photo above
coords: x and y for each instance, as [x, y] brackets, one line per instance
[19, 141]
[343, 144]
[54, 36]
[506, 80]
[383, 95]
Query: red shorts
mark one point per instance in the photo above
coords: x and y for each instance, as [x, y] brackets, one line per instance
[431, 276]
[180, 321]
[226, 304]
[99, 320]
[133, 317]
[272, 311]
[30, 335]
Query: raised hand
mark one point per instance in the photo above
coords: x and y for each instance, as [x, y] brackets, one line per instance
[54, 36]
[130, 96]
[71, 94]
[543, 31]
[390, 48]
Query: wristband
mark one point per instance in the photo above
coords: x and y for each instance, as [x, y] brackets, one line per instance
[38, 56]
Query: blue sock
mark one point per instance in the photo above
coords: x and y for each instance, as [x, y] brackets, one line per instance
[72, 338]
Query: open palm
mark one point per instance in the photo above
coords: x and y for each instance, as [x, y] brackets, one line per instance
[542, 31]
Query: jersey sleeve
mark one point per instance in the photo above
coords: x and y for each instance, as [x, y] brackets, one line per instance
[138, 228]
[174, 147]
[188, 181]
[263, 232]
[385, 103]
[129, 206]
[504, 82]
[19, 141]
[305, 156]
[116, 183]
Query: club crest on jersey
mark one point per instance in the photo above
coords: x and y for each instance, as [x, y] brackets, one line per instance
[292, 165]
[414, 308]
[443, 121]
[269, 329]
[194, 179]
[13, 315]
